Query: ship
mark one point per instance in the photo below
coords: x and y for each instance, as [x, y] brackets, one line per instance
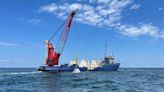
[53, 55]
[108, 64]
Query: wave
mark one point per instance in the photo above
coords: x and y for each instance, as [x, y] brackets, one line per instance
[18, 73]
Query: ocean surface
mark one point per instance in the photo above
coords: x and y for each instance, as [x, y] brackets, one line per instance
[123, 80]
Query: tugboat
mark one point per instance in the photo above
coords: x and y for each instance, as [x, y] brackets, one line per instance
[108, 64]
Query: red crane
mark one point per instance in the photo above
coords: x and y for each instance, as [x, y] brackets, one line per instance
[54, 53]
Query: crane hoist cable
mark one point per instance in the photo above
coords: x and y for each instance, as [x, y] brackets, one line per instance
[54, 53]
[59, 28]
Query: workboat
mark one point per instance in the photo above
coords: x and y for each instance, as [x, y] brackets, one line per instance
[108, 64]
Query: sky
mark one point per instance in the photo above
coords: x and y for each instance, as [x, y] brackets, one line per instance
[133, 30]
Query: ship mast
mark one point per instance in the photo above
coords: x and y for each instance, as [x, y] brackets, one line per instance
[77, 58]
[106, 50]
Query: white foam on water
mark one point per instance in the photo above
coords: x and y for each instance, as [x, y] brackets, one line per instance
[20, 73]
[76, 70]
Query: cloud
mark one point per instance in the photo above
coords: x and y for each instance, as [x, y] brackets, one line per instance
[8, 44]
[103, 1]
[141, 29]
[160, 8]
[34, 21]
[49, 8]
[103, 13]
[162, 34]
[135, 7]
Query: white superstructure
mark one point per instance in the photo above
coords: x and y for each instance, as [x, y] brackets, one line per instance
[84, 63]
[73, 62]
[94, 64]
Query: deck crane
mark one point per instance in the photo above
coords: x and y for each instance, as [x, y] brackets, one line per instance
[54, 53]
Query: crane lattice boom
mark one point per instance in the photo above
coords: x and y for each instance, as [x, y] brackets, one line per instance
[54, 55]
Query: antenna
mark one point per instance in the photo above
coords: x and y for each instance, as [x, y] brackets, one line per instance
[76, 47]
[76, 57]
[106, 50]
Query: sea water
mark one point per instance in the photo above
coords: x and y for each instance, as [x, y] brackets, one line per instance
[123, 80]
